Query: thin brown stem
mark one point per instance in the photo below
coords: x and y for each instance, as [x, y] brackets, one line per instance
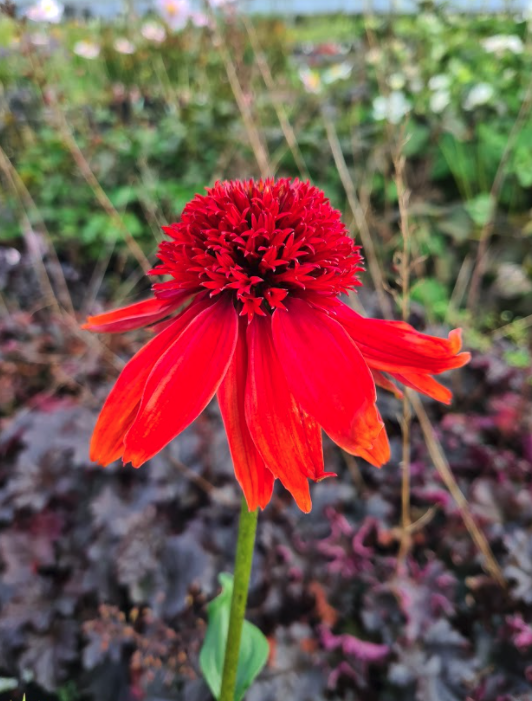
[84, 166]
[20, 190]
[442, 465]
[280, 111]
[259, 148]
[358, 214]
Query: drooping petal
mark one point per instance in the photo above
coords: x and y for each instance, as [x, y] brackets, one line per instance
[312, 431]
[394, 346]
[122, 404]
[379, 453]
[382, 381]
[183, 381]
[275, 420]
[327, 375]
[426, 385]
[251, 472]
[134, 316]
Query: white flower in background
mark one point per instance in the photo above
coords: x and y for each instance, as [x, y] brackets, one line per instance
[500, 43]
[311, 80]
[374, 56]
[415, 85]
[439, 100]
[413, 78]
[392, 108]
[397, 81]
[512, 280]
[439, 82]
[440, 86]
[340, 71]
[124, 46]
[45, 11]
[174, 12]
[479, 95]
[200, 19]
[399, 47]
[87, 49]
[152, 31]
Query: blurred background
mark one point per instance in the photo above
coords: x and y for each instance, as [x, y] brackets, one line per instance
[415, 118]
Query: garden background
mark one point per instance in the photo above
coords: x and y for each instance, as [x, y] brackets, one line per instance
[418, 127]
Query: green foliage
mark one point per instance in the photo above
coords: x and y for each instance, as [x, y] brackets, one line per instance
[68, 692]
[159, 125]
[480, 209]
[253, 646]
[433, 295]
[7, 684]
[519, 358]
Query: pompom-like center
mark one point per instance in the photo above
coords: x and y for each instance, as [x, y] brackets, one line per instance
[259, 242]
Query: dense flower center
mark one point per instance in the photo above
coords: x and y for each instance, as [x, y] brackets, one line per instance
[259, 242]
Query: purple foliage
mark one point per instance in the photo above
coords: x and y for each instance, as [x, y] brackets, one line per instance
[106, 573]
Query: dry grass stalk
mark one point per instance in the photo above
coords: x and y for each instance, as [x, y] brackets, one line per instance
[259, 149]
[442, 465]
[358, 214]
[280, 111]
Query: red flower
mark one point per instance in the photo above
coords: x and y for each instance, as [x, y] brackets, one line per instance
[261, 266]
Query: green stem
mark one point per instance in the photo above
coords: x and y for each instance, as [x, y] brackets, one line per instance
[247, 528]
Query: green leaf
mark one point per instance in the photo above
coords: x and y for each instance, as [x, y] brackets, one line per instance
[123, 196]
[432, 294]
[519, 358]
[253, 646]
[418, 136]
[7, 684]
[523, 168]
[480, 208]
[457, 224]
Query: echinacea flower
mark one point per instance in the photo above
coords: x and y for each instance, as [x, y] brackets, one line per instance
[86, 49]
[174, 12]
[152, 31]
[260, 266]
[45, 11]
[124, 46]
[200, 19]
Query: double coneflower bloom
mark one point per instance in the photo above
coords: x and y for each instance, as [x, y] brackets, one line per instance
[250, 311]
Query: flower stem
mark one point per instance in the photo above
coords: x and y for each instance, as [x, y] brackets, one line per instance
[247, 528]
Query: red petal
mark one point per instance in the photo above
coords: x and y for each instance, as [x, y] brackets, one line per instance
[426, 385]
[133, 316]
[183, 381]
[251, 472]
[379, 453]
[312, 431]
[382, 381]
[393, 346]
[328, 375]
[122, 404]
[275, 419]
